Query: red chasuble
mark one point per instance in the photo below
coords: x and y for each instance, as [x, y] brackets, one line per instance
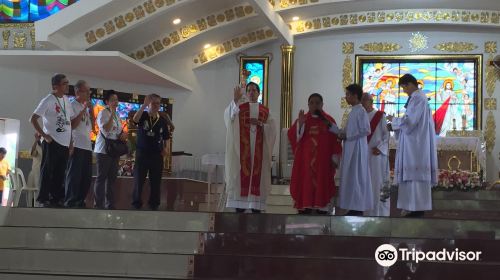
[313, 184]
[251, 174]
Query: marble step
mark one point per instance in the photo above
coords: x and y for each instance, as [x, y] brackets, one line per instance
[469, 205]
[354, 226]
[258, 267]
[94, 263]
[51, 276]
[105, 219]
[99, 240]
[325, 246]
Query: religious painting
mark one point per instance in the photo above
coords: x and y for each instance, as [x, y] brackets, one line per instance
[256, 69]
[452, 84]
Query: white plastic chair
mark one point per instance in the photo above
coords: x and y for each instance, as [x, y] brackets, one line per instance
[19, 185]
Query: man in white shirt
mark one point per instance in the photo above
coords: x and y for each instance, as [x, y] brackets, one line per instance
[79, 173]
[56, 113]
[415, 170]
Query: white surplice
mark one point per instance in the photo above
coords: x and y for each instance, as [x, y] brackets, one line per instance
[232, 163]
[416, 166]
[355, 191]
[379, 165]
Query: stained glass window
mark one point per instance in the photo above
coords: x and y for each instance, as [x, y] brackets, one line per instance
[451, 86]
[30, 10]
[258, 68]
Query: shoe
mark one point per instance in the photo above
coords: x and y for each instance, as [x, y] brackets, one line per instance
[305, 211]
[42, 204]
[354, 213]
[240, 210]
[415, 214]
[153, 208]
[321, 212]
[256, 211]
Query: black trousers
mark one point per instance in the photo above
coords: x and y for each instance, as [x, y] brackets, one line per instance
[78, 177]
[145, 163]
[52, 172]
[107, 171]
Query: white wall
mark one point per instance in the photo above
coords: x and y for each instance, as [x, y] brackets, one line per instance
[21, 91]
[199, 115]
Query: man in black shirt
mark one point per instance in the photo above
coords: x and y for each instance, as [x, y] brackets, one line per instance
[152, 135]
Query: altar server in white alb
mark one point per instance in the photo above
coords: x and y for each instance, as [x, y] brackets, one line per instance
[355, 193]
[415, 169]
[251, 132]
[378, 156]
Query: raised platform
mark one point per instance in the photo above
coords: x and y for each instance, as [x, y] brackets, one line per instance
[99, 244]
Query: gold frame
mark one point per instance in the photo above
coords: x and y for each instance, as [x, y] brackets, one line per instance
[478, 58]
[264, 89]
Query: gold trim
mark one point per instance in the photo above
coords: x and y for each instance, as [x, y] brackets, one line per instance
[348, 47]
[140, 12]
[17, 25]
[287, 66]
[477, 57]
[396, 17]
[490, 47]
[347, 75]
[490, 104]
[455, 47]
[490, 132]
[232, 45]
[380, 47]
[491, 77]
[458, 161]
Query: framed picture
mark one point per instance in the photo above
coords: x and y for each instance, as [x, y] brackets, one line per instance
[452, 84]
[258, 69]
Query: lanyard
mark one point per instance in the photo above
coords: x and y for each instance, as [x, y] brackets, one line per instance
[151, 122]
[63, 108]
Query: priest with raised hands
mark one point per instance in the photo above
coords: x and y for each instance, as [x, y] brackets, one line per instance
[251, 133]
[378, 157]
[415, 170]
[316, 157]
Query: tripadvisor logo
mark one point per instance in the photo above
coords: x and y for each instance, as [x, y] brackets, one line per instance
[387, 255]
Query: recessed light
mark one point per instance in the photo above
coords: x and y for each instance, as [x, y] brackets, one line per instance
[295, 18]
[207, 46]
[176, 21]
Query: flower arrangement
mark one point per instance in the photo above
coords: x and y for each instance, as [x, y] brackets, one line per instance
[451, 180]
[126, 167]
[459, 180]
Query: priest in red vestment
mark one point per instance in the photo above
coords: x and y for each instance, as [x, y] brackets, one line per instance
[316, 157]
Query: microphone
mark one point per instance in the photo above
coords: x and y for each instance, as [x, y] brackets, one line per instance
[319, 114]
[321, 117]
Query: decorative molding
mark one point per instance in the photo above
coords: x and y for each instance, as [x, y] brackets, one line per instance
[491, 77]
[234, 44]
[130, 17]
[17, 25]
[201, 25]
[490, 104]
[455, 47]
[490, 47]
[464, 133]
[397, 17]
[418, 42]
[347, 47]
[18, 35]
[380, 47]
[490, 132]
[343, 103]
[286, 4]
[347, 72]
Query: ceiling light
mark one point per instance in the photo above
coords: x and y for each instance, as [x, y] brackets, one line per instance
[176, 21]
[295, 18]
[207, 46]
